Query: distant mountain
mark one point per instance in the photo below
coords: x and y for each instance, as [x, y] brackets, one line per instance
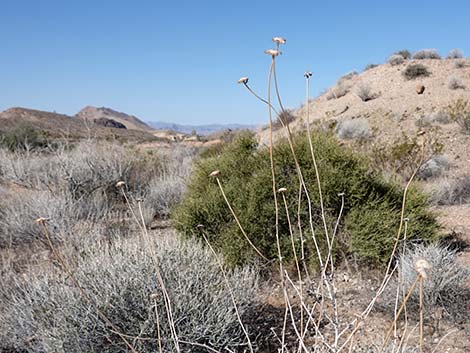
[129, 121]
[200, 129]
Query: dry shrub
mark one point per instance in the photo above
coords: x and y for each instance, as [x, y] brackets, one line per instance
[454, 82]
[77, 186]
[446, 282]
[439, 117]
[342, 87]
[396, 60]
[459, 111]
[426, 54]
[455, 54]
[354, 129]
[454, 192]
[44, 312]
[404, 53]
[413, 71]
[434, 167]
[365, 92]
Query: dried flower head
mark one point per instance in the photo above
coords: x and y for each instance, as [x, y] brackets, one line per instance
[120, 184]
[282, 190]
[215, 173]
[154, 296]
[272, 52]
[41, 220]
[308, 74]
[243, 80]
[279, 40]
[421, 265]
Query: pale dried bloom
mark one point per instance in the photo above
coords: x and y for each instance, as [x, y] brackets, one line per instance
[279, 40]
[41, 220]
[120, 184]
[243, 80]
[154, 296]
[282, 190]
[215, 173]
[421, 266]
[272, 52]
[308, 74]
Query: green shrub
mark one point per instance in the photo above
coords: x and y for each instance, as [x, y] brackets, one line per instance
[246, 179]
[21, 138]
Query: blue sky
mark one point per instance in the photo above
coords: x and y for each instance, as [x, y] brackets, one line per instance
[179, 61]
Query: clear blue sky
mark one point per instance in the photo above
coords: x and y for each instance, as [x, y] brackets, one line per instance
[179, 61]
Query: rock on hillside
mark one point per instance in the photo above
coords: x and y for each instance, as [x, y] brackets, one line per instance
[131, 122]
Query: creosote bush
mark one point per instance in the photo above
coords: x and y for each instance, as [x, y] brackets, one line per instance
[416, 70]
[44, 312]
[23, 138]
[246, 180]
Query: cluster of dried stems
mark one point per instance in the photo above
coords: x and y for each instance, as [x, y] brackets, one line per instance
[325, 307]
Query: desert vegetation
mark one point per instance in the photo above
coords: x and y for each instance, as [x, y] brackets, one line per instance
[239, 247]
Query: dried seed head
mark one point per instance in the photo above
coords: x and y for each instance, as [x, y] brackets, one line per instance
[199, 226]
[282, 190]
[120, 184]
[272, 52]
[421, 265]
[308, 74]
[243, 80]
[341, 194]
[154, 296]
[279, 40]
[41, 220]
[421, 132]
[215, 173]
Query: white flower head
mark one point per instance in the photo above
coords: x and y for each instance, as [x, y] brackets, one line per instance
[421, 265]
[243, 80]
[282, 190]
[279, 40]
[272, 52]
[215, 173]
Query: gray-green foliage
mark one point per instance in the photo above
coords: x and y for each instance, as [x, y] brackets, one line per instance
[43, 312]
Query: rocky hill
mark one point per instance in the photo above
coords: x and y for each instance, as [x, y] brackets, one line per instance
[383, 113]
[63, 126]
[131, 122]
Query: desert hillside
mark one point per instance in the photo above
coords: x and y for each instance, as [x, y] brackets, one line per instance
[63, 126]
[129, 121]
[380, 111]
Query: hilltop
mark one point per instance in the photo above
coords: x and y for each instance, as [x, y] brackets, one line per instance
[129, 121]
